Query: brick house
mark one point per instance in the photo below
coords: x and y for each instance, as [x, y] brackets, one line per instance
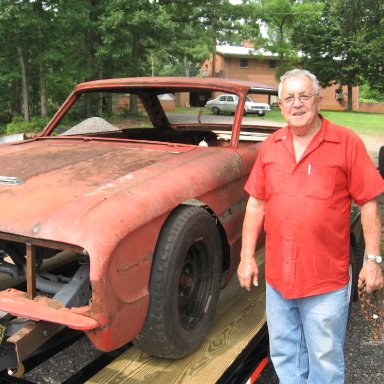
[248, 63]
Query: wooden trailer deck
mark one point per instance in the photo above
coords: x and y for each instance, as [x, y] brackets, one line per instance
[240, 316]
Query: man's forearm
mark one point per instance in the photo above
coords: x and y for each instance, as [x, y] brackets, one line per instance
[252, 227]
[371, 222]
[371, 274]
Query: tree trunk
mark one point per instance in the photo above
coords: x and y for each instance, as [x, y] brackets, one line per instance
[24, 82]
[135, 59]
[15, 95]
[43, 91]
[350, 95]
[42, 83]
[215, 27]
[152, 66]
[187, 67]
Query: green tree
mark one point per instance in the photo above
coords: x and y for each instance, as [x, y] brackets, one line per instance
[279, 18]
[342, 46]
[200, 26]
[16, 24]
[373, 46]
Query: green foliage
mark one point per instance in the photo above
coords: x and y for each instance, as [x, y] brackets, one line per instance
[65, 42]
[18, 125]
[280, 18]
[369, 94]
[344, 42]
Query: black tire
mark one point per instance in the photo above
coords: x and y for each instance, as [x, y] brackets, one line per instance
[184, 284]
[261, 114]
[381, 161]
[215, 111]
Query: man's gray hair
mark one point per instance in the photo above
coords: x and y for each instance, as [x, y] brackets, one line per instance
[294, 73]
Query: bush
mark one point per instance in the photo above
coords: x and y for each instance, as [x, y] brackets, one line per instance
[369, 95]
[18, 125]
[5, 117]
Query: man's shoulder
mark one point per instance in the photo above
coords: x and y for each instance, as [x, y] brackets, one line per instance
[339, 133]
[278, 135]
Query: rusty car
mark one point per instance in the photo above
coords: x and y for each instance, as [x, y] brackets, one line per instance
[123, 218]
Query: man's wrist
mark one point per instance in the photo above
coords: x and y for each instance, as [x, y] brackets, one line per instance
[247, 256]
[377, 258]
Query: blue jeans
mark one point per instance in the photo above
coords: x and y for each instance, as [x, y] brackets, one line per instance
[307, 336]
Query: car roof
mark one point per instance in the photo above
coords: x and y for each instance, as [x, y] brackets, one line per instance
[167, 84]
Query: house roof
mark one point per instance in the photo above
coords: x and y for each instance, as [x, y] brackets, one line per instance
[231, 50]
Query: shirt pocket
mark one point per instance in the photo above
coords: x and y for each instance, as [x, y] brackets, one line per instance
[321, 182]
[274, 174]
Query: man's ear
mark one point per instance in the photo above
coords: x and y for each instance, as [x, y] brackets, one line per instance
[320, 101]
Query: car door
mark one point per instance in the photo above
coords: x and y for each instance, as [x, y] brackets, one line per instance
[221, 103]
[231, 103]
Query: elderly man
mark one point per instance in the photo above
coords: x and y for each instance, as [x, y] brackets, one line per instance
[301, 188]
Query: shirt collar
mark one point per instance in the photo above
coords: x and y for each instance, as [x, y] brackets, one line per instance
[325, 134]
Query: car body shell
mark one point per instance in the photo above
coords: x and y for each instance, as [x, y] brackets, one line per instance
[108, 198]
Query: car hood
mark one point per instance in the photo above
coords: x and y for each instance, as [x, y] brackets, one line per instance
[64, 181]
[51, 174]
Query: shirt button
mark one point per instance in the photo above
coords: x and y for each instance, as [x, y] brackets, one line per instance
[284, 137]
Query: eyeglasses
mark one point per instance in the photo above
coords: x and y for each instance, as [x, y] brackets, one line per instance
[303, 98]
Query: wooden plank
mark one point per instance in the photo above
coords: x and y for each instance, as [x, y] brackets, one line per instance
[240, 316]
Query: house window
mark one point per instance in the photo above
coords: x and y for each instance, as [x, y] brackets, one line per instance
[243, 63]
[272, 64]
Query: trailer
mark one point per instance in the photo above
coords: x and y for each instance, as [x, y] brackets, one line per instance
[235, 350]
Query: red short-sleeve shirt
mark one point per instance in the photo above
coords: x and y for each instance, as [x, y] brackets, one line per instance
[307, 207]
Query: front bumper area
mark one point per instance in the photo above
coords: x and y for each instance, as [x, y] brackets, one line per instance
[18, 304]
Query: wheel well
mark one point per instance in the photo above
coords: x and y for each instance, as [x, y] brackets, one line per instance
[223, 236]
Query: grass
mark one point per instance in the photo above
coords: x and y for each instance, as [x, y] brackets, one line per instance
[360, 122]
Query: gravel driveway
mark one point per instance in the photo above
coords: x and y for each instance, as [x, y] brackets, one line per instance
[364, 360]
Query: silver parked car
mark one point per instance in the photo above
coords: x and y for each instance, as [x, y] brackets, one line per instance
[228, 103]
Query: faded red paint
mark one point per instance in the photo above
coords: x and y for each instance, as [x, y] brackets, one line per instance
[110, 198]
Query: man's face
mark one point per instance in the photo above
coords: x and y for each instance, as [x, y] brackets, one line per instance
[299, 114]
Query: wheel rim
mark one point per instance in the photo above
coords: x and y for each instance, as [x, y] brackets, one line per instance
[194, 285]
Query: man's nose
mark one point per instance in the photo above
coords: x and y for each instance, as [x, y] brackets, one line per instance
[297, 101]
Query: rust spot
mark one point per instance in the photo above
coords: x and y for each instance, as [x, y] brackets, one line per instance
[125, 268]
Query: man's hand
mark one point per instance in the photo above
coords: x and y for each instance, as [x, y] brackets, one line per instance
[248, 273]
[372, 276]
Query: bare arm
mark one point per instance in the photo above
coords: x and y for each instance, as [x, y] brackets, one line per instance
[371, 273]
[252, 226]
